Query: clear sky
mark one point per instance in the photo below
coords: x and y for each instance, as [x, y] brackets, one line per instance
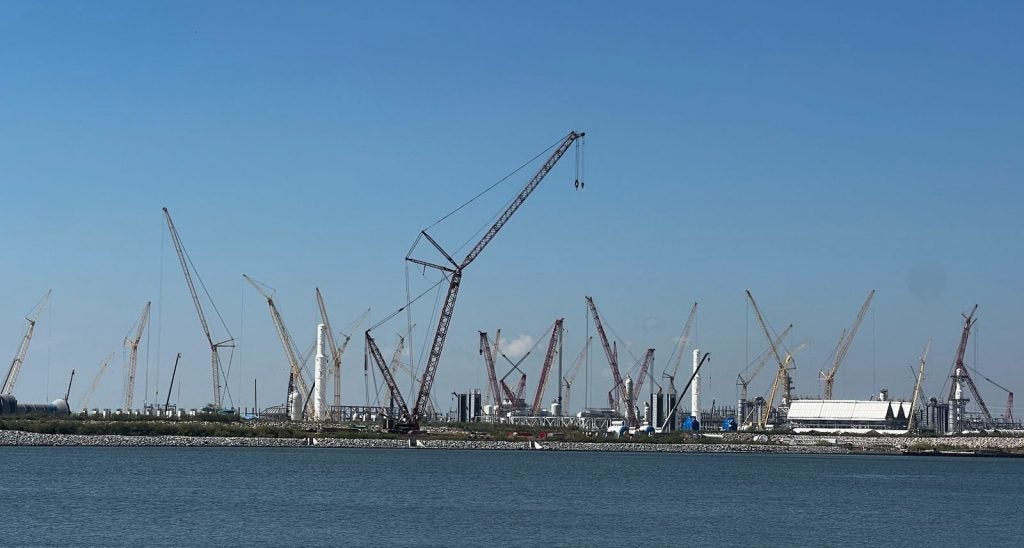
[808, 152]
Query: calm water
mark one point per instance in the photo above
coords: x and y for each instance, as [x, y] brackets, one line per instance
[291, 497]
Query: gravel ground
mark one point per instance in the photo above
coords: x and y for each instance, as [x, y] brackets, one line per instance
[729, 443]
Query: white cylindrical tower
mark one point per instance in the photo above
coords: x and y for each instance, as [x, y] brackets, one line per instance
[320, 392]
[629, 396]
[695, 387]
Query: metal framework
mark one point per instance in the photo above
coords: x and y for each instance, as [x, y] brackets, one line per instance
[95, 381]
[783, 363]
[287, 343]
[960, 371]
[186, 268]
[19, 356]
[549, 359]
[684, 339]
[844, 346]
[410, 419]
[133, 356]
[492, 375]
[613, 359]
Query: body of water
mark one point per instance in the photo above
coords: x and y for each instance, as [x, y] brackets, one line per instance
[98, 496]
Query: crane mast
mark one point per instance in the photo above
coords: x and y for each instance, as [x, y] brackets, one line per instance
[1008, 415]
[214, 346]
[133, 356]
[642, 376]
[492, 375]
[170, 388]
[960, 370]
[912, 419]
[783, 363]
[454, 275]
[844, 345]
[95, 381]
[549, 359]
[521, 387]
[287, 343]
[19, 356]
[613, 359]
[574, 369]
[389, 379]
[337, 350]
[683, 340]
[761, 361]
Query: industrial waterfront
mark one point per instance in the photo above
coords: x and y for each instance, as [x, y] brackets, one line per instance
[644, 398]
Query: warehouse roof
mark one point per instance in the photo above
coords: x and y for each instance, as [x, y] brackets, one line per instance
[841, 410]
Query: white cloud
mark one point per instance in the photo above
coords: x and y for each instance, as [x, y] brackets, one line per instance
[517, 347]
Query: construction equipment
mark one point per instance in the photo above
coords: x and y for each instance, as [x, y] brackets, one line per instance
[844, 346]
[170, 389]
[912, 419]
[680, 350]
[19, 356]
[287, 343]
[960, 372]
[337, 349]
[762, 359]
[784, 363]
[95, 381]
[1008, 414]
[492, 375]
[549, 359]
[396, 362]
[645, 366]
[189, 269]
[570, 378]
[67, 393]
[613, 360]
[672, 412]
[410, 419]
[133, 357]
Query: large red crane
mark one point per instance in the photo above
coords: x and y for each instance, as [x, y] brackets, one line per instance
[549, 359]
[492, 375]
[613, 359]
[960, 372]
[189, 269]
[645, 366]
[453, 272]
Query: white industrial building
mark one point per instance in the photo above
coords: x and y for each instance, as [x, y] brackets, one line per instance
[882, 416]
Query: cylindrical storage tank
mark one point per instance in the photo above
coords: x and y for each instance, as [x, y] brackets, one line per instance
[556, 409]
[295, 408]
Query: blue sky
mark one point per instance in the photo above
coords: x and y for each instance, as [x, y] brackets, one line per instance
[808, 153]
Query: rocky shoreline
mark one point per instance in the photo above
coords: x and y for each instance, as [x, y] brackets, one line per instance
[788, 444]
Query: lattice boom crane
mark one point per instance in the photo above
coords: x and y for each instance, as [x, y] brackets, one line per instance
[19, 356]
[453, 271]
[549, 359]
[133, 357]
[187, 269]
